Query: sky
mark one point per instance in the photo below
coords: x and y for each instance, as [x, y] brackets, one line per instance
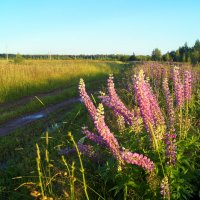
[97, 26]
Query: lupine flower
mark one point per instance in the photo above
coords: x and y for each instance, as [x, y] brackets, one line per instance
[157, 114]
[111, 142]
[87, 150]
[187, 85]
[128, 157]
[171, 148]
[86, 99]
[178, 87]
[138, 159]
[165, 191]
[106, 134]
[164, 73]
[137, 125]
[149, 108]
[94, 137]
[141, 96]
[120, 123]
[169, 103]
[153, 181]
[114, 102]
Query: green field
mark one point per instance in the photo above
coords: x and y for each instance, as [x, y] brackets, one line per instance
[38, 76]
[51, 81]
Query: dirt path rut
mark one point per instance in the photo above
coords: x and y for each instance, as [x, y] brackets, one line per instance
[20, 122]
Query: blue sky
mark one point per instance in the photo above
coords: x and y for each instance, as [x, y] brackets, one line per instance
[97, 26]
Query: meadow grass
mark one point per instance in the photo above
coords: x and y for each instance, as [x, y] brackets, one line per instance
[38, 76]
[18, 150]
[38, 103]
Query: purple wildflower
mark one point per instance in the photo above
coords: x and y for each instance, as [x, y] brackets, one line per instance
[112, 144]
[157, 114]
[187, 85]
[169, 102]
[138, 159]
[171, 148]
[165, 191]
[114, 102]
[164, 73]
[141, 96]
[84, 149]
[110, 141]
[106, 134]
[86, 99]
[178, 87]
[94, 137]
[120, 123]
[149, 108]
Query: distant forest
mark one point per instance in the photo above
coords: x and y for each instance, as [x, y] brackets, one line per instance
[182, 54]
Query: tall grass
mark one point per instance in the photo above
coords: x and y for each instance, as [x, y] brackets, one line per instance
[37, 76]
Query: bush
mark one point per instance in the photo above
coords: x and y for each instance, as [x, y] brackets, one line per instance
[18, 59]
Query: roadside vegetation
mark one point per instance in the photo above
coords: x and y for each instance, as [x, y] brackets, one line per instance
[137, 139]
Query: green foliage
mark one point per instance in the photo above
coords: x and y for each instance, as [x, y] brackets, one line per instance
[185, 54]
[156, 55]
[18, 59]
[166, 57]
[195, 57]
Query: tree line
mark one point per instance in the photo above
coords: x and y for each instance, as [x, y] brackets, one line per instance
[182, 54]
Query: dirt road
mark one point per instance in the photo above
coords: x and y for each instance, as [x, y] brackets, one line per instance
[21, 121]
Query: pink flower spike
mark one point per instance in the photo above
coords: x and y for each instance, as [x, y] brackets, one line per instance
[86, 99]
[106, 134]
[114, 102]
[178, 87]
[138, 159]
[187, 85]
[94, 137]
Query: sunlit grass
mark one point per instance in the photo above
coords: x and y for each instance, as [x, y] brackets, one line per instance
[37, 76]
[35, 104]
